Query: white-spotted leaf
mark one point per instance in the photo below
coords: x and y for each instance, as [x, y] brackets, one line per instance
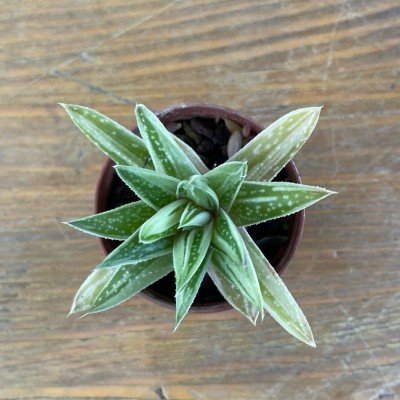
[227, 240]
[133, 251]
[157, 190]
[276, 145]
[90, 289]
[164, 223]
[192, 155]
[277, 299]
[261, 201]
[193, 217]
[186, 296]
[197, 190]
[244, 278]
[233, 295]
[226, 180]
[118, 223]
[117, 142]
[167, 155]
[131, 279]
[190, 248]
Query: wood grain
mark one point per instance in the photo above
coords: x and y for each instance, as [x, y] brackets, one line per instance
[264, 58]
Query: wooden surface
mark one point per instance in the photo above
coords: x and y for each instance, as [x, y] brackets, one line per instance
[264, 58]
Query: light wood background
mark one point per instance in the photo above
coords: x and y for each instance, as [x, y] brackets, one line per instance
[264, 58]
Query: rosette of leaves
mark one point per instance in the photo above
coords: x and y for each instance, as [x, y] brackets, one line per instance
[192, 220]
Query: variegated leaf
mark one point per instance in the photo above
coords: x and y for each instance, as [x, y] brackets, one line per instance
[244, 278]
[190, 248]
[276, 145]
[233, 295]
[276, 297]
[90, 289]
[226, 180]
[261, 201]
[192, 155]
[118, 223]
[164, 223]
[186, 296]
[133, 251]
[194, 217]
[156, 189]
[227, 240]
[117, 142]
[166, 154]
[197, 190]
[122, 283]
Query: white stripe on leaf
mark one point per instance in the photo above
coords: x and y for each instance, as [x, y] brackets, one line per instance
[276, 145]
[167, 155]
[277, 299]
[164, 223]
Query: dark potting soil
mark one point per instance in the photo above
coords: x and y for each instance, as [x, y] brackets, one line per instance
[209, 138]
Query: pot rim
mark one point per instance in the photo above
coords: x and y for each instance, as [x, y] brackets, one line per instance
[187, 111]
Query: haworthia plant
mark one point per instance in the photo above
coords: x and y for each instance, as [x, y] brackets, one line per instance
[192, 221]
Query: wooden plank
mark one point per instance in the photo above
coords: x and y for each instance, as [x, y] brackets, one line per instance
[264, 58]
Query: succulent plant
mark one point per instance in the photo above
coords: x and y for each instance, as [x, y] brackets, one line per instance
[192, 220]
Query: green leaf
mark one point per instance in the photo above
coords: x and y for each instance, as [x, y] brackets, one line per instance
[261, 201]
[233, 295]
[117, 142]
[194, 217]
[243, 277]
[190, 248]
[132, 251]
[227, 240]
[197, 190]
[90, 289]
[164, 223]
[186, 296]
[276, 297]
[276, 145]
[99, 293]
[192, 155]
[118, 223]
[226, 180]
[166, 154]
[156, 189]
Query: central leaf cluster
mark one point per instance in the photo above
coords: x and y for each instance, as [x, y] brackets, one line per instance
[199, 192]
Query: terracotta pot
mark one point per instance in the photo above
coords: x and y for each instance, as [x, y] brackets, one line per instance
[280, 260]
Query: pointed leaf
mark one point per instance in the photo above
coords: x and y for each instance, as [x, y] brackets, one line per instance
[156, 189]
[118, 223]
[276, 297]
[90, 289]
[166, 154]
[276, 145]
[131, 279]
[194, 217]
[243, 277]
[117, 142]
[190, 248]
[197, 190]
[261, 201]
[233, 295]
[164, 223]
[192, 155]
[227, 240]
[226, 180]
[132, 251]
[186, 296]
